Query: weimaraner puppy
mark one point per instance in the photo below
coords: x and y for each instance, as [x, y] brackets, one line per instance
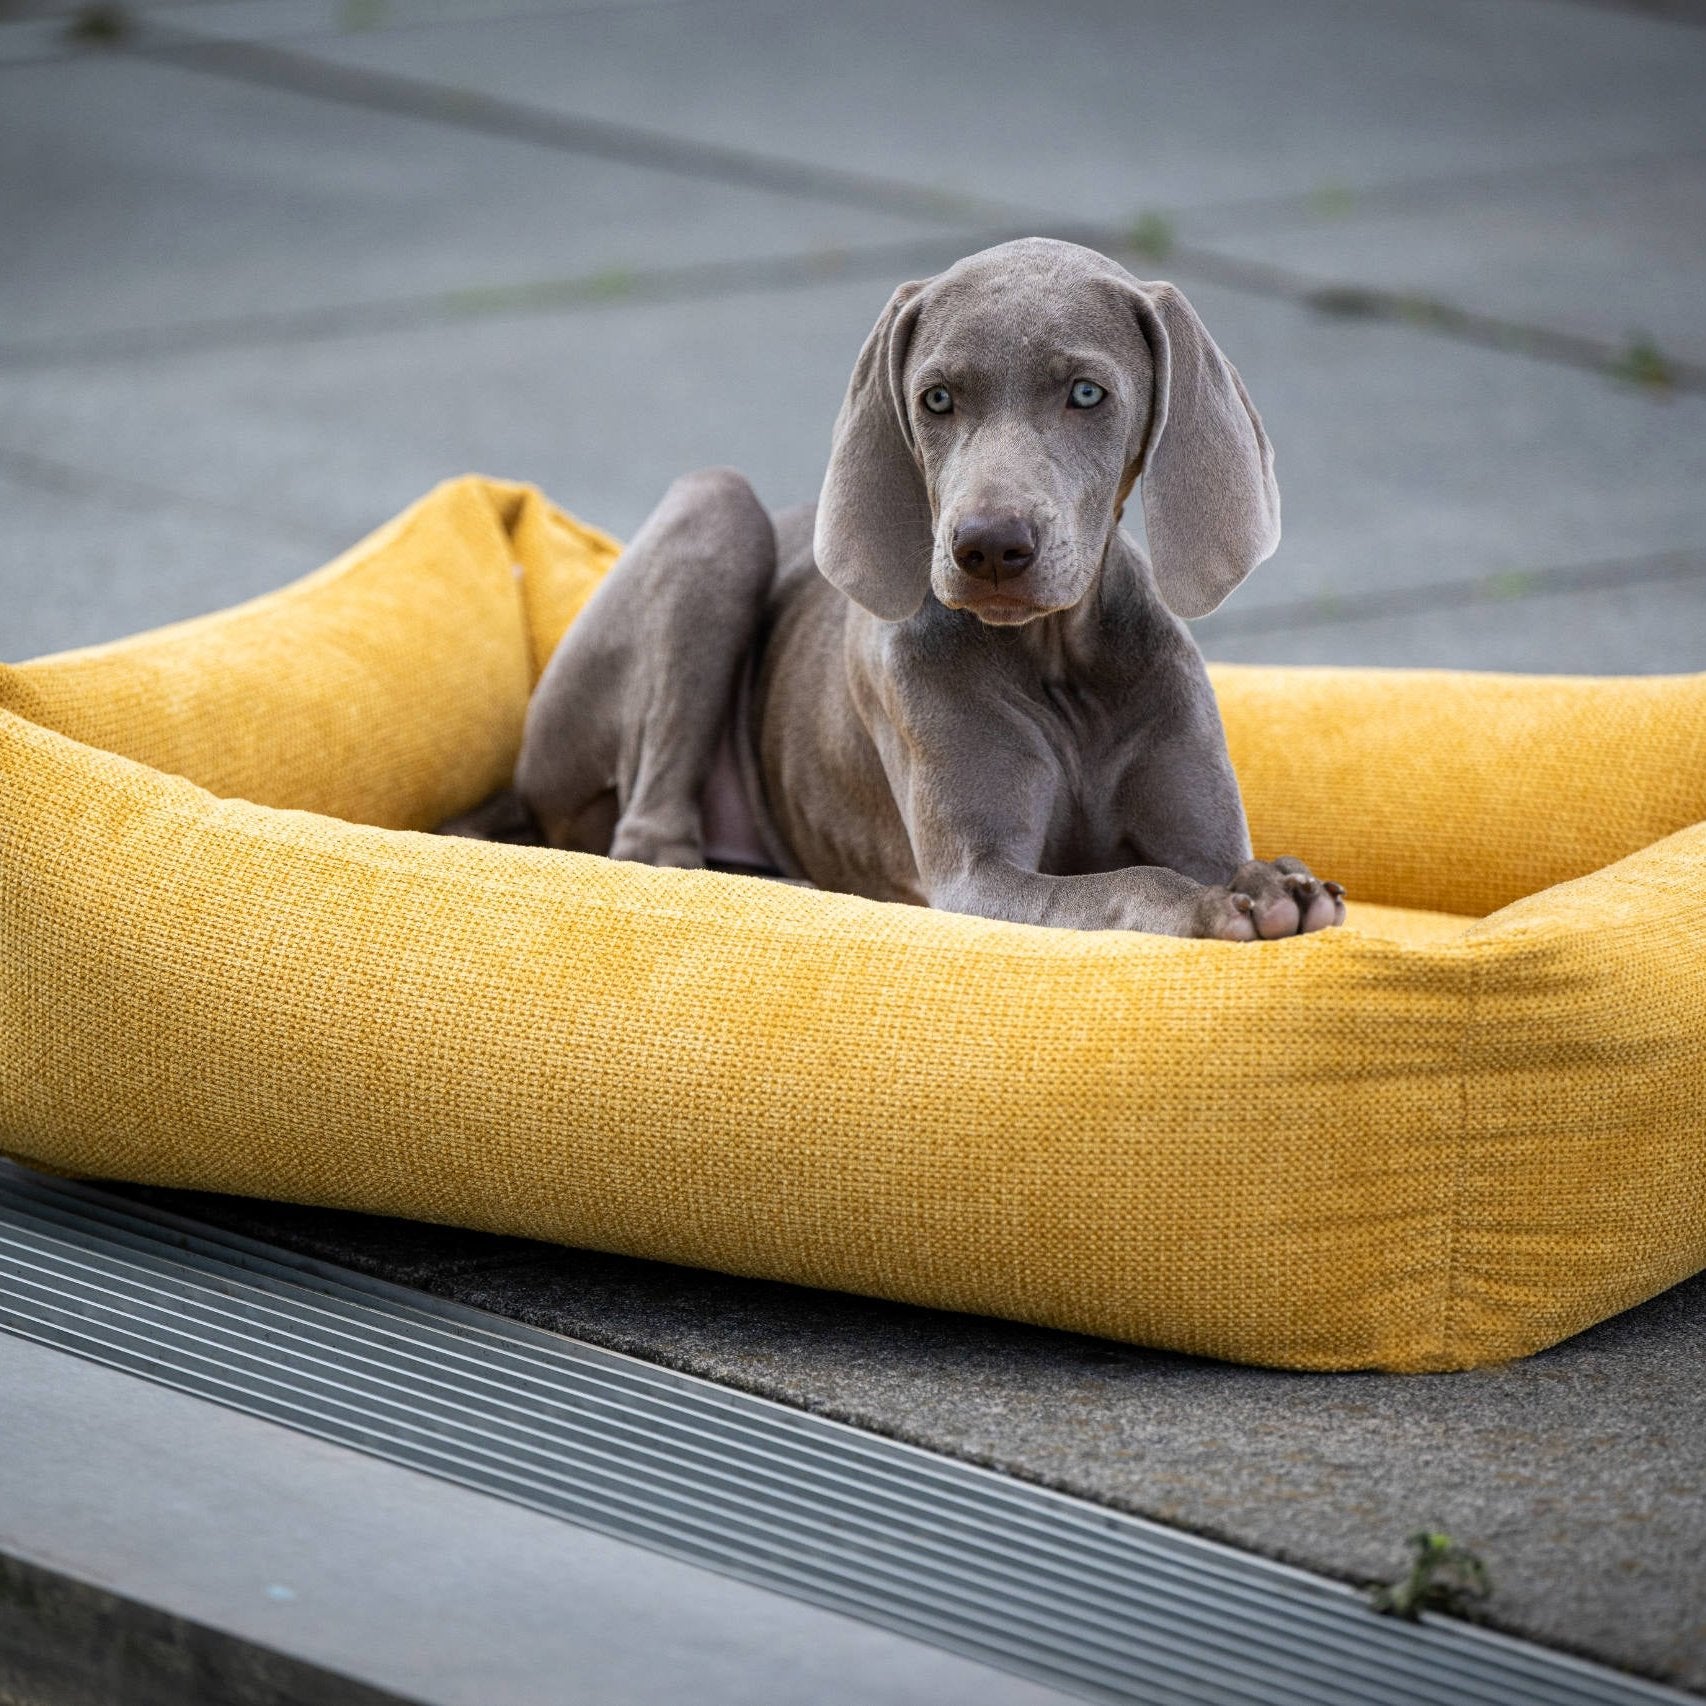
[954, 680]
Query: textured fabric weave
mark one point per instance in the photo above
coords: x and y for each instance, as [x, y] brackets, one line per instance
[1442, 1136]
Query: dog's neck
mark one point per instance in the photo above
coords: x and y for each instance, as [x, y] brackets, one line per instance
[1060, 644]
[1122, 606]
[1064, 643]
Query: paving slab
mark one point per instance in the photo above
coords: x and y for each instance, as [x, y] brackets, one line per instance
[139, 194]
[1578, 1474]
[1612, 251]
[1096, 107]
[1405, 460]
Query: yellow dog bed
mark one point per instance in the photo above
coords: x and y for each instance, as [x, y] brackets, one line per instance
[1459, 1129]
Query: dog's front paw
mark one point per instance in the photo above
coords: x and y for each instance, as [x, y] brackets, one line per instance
[1264, 900]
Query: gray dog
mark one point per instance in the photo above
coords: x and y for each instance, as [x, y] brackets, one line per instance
[954, 681]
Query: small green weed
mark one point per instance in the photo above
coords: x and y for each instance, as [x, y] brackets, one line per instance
[101, 23]
[1508, 583]
[1416, 309]
[610, 285]
[1152, 236]
[1443, 1576]
[1642, 362]
[1332, 201]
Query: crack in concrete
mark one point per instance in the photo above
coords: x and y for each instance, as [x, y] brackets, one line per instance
[490, 115]
[1342, 201]
[1641, 366]
[608, 287]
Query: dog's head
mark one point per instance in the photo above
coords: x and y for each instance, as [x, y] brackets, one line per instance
[997, 420]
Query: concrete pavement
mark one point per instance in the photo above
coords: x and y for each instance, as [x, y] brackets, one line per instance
[596, 244]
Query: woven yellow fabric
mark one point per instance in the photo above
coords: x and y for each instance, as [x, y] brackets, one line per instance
[387, 688]
[1429, 1140]
[1458, 792]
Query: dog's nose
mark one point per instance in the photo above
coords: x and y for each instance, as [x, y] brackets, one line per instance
[994, 548]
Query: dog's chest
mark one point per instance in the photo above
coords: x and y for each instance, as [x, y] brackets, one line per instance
[1096, 751]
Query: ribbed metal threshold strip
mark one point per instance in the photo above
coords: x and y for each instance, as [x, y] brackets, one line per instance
[1085, 1599]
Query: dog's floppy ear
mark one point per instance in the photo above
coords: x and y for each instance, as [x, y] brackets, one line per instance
[874, 536]
[1210, 504]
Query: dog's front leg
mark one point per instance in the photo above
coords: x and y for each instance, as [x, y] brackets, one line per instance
[978, 824]
[1177, 798]
[1149, 898]
[979, 832]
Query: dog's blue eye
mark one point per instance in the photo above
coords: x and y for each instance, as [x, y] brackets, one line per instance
[939, 400]
[1086, 393]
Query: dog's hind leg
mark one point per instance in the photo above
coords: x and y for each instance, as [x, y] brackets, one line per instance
[504, 817]
[624, 724]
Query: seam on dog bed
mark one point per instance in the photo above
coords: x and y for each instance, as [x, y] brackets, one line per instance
[1449, 1350]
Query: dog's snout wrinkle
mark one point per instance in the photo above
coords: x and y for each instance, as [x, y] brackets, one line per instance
[994, 547]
